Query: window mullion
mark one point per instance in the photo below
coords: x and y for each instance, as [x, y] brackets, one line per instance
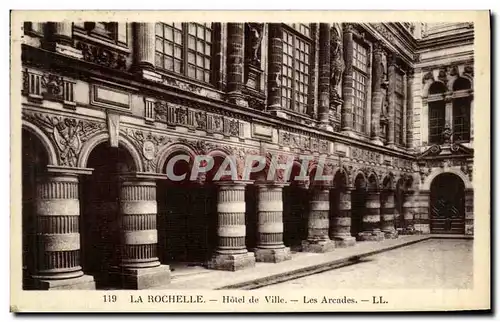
[294, 63]
[185, 28]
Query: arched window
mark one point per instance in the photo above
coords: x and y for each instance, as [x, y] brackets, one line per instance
[185, 48]
[295, 73]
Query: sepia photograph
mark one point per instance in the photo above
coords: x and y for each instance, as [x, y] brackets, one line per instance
[159, 157]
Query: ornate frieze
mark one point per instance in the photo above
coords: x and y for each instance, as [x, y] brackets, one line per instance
[302, 142]
[68, 134]
[101, 55]
[173, 114]
[38, 85]
[148, 143]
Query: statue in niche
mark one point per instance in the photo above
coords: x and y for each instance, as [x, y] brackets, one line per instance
[337, 64]
[256, 34]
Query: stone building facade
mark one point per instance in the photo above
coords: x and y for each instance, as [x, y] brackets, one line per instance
[106, 106]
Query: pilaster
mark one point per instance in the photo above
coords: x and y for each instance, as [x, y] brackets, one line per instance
[378, 95]
[57, 257]
[318, 223]
[324, 77]
[235, 58]
[270, 247]
[145, 45]
[274, 71]
[391, 70]
[342, 221]
[347, 84]
[140, 267]
[231, 253]
[371, 219]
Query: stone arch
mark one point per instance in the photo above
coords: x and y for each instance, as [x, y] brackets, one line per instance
[461, 83]
[359, 178]
[373, 182]
[389, 182]
[99, 138]
[436, 87]
[426, 186]
[222, 153]
[174, 148]
[340, 175]
[52, 155]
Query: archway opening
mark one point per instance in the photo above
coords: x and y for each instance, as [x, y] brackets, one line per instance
[99, 207]
[358, 204]
[187, 215]
[295, 210]
[447, 205]
[34, 163]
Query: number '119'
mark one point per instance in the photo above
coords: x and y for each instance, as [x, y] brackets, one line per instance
[109, 298]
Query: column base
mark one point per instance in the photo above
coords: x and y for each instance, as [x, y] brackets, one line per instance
[349, 133]
[141, 278]
[85, 282]
[326, 127]
[371, 236]
[277, 112]
[344, 241]
[228, 262]
[237, 98]
[376, 141]
[390, 234]
[68, 51]
[319, 246]
[275, 255]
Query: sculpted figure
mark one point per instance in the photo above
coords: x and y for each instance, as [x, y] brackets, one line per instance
[337, 63]
[256, 35]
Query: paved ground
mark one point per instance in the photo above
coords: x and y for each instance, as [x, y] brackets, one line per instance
[434, 263]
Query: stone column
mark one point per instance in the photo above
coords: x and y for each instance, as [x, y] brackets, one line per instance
[57, 258]
[318, 223]
[409, 108]
[347, 84]
[409, 212]
[270, 247]
[342, 221]
[387, 209]
[422, 224]
[324, 76]
[378, 95]
[235, 55]
[371, 218]
[274, 71]
[231, 253]
[145, 45]
[391, 71]
[139, 266]
[469, 211]
[63, 33]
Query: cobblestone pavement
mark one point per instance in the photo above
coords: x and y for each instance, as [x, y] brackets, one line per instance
[435, 263]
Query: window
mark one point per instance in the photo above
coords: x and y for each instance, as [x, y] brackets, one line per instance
[436, 121]
[185, 48]
[398, 109]
[360, 77]
[295, 77]
[461, 119]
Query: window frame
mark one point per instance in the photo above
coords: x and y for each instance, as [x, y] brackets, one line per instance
[185, 50]
[466, 118]
[433, 105]
[365, 129]
[399, 96]
[292, 30]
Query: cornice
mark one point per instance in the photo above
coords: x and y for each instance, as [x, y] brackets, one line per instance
[86, 70]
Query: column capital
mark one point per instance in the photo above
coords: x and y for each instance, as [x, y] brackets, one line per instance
[232, 183]
[271, 184]
[69, 171]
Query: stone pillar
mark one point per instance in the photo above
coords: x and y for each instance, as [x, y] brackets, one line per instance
[57, 258]
[275, 64]
[139, 266]
[235, 55]
[231, 253]
[391, 71]
[448, 99]
[409, 212]
[378, 95]
[324, 76]
[409, 108]
[63, 33]
[422, 224]
[347, 84]
[145, 45]
[469, 211]
[342, 221]
[387, 209]
[270, 247]
[318, 223]
[371, 218]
